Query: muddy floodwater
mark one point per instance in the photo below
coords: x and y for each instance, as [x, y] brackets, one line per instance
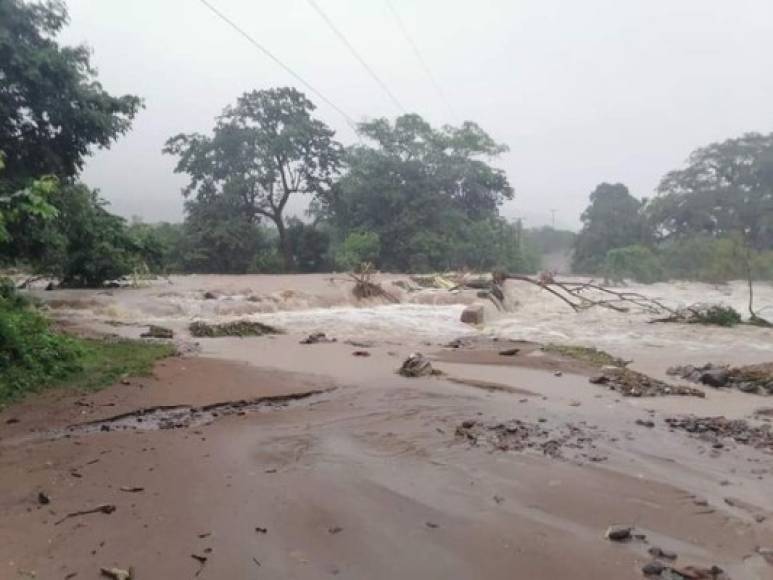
[260, 457]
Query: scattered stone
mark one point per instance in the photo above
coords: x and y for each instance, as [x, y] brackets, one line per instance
[499, 499]
[417, 365]
[158, 332]
[473, 314]
[631, 383]
[645, 423]
[43, 498]
[516, 435]
[335, 530]
[361, 353]
[558, 374]
[131, 489]
[509, 352]
[209, 296]
[715, 429]
[432, 525]
[261, 530]
[11, 421]
[316, 338]
[618, 533]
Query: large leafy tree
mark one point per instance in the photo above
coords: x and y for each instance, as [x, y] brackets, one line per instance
[52, 109]
[265, 149]
[417, 187]
[612, 220]
[725, 191]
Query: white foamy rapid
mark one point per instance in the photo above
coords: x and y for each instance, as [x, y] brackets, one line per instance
[311, 303]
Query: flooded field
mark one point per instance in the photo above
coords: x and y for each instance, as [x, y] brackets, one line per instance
[509, 460]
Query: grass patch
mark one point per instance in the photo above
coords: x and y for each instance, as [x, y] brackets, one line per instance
[89, 365]
[236, 328]
[34, 356]
[103, 362]
[588, 355]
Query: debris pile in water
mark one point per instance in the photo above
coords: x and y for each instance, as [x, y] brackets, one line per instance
[757, 379]
[236, 328]
[517, 435]
[715, 429]
[630, 383]
[417, 365]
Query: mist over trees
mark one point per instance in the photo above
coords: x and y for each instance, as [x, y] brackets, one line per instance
[407, 197]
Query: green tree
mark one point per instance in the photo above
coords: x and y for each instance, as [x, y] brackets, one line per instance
[725, 191]
[417, 187]
[52, 109]
[218, 236]
[612, 220]
[263, 150]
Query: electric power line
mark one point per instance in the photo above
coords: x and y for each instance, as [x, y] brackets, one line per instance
[268, 53]
[419, 57]
[356, 54]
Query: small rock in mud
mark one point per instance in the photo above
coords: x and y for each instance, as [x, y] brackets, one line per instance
[11, 421]
[653, 568]
[335, 530]
[432, 525]
[509, 352]
[43, 498]
[118, 573]
[713, 429]
[657, 552]
[316, 338]
[260, 530]
[209, 296]
[618, 533]
[645, 423]
[417, 365]
[157, 332]
[364, 353]
[558, 374]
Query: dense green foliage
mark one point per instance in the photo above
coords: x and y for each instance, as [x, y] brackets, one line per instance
[52, 109]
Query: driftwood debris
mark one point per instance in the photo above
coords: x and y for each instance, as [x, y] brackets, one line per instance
[105, 508]
[366, 287]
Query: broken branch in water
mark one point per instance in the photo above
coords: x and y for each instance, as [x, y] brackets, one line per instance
[580, 295]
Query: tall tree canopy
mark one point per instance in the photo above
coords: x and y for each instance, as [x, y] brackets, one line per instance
[612, 220]
[726, 189]
[52, 109]
[263, 150]
[416, 187]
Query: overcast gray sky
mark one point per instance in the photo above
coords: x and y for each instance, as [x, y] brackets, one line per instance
[581, 91]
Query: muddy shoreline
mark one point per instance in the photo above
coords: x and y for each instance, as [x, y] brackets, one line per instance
[290, 460]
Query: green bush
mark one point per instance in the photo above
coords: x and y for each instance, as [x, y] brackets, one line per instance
[31, 354]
